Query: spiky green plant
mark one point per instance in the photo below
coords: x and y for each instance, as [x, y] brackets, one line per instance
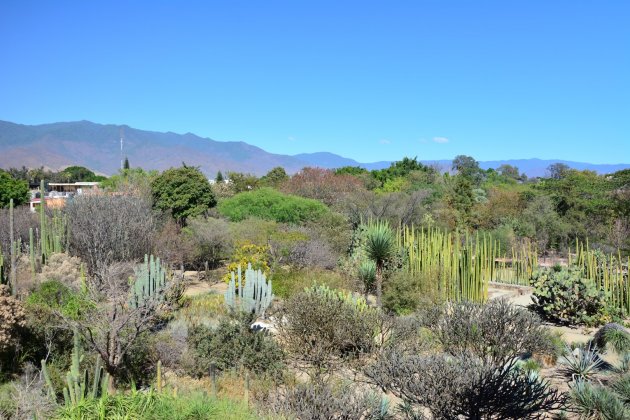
[597, 402]
[367, 274]
[582, 363]
[380, 246]
[254, 292]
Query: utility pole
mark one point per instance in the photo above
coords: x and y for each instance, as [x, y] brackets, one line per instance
[122, 140]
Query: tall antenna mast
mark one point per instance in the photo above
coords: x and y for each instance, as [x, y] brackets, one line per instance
[122, 141]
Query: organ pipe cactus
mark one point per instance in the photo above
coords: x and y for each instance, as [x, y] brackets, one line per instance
[255, 296]
[78, 385]
[150, 281]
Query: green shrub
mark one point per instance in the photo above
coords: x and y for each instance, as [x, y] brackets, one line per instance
[406, 292]
[566, 296]
[150, 405]
[57, 296]
[288, 282]
[232, 344]
[269, 204]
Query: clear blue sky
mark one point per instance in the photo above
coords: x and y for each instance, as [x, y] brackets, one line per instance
[368, 80]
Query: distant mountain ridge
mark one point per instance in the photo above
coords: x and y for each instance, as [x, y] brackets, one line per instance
[97, 146]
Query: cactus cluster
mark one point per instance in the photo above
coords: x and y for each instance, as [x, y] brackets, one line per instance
[78, 386]
[568, 296]
[253, 290]
[150, 282]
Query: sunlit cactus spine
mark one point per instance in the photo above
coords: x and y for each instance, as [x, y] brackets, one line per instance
[255, 296]
[150, 281]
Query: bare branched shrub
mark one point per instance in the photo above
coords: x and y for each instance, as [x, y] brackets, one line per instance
[322, 184]
[397, 208]
[113, 325]
[30, 397]
[109, 228]
[23, 219]
[212, 238]
[452, 387]
[497, 331]
[314, 401]
[319, 330]
[312, 253]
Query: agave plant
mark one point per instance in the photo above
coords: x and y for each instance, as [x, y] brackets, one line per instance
[597, 402]
[582, 363]
[380, 246]
[367, 275]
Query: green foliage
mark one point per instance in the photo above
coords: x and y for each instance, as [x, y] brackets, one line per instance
[269, 204]
[158, 406]
[232, 344]
[54, 295]
[568, 296]
[598, 402]
[351, 170]
[400, 169]
[134, 179]
[275, 177]
[79, 174]
[288, 282]
[185, 192]
[407, 292]
[11, 188]
[581, 363]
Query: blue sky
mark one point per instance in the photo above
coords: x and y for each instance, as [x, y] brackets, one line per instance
[368, 80]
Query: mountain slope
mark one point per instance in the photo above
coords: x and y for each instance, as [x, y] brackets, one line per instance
[97, 146]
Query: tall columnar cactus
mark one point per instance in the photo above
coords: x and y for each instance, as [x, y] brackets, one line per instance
[255, 296]
[78, 383]
[42, 222]
[150, 281]
[13, 275]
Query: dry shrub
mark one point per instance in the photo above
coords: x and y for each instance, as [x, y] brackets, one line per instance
[29, 397]
[322, 184]
[314, 401]
[109, 228]
[12, 319]
[322, 327]
[63, 268]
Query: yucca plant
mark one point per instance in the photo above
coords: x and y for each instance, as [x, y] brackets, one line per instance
[380, 246]
[582, 363]
[367, 275]
[597, 402]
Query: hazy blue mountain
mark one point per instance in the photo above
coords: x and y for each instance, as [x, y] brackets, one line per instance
[97, 146]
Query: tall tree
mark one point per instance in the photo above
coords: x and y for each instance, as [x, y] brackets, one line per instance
[185, 192]
[11, 188]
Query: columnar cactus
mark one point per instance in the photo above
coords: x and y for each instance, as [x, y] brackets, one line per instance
[150, 281]
[255, 296]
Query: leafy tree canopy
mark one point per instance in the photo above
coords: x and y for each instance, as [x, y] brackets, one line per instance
[11, 188]
[275, 177]
[184, 191]
[80, 174]
[400, 169]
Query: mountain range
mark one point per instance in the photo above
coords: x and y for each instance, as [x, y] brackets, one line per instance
[97, 146]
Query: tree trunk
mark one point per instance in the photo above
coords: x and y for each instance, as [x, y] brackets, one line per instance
[379, 284]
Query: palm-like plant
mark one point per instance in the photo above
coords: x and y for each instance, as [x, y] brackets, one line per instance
[367, 274]
[379, 247]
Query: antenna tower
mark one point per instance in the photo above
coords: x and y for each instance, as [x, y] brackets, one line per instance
[122, 141]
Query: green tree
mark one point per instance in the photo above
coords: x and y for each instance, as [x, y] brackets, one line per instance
[241, 182]
[185, 192]
[126, 164]
[11, 188]
[275, 177]
[79, 174]
[219, 177]
[468, 167]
